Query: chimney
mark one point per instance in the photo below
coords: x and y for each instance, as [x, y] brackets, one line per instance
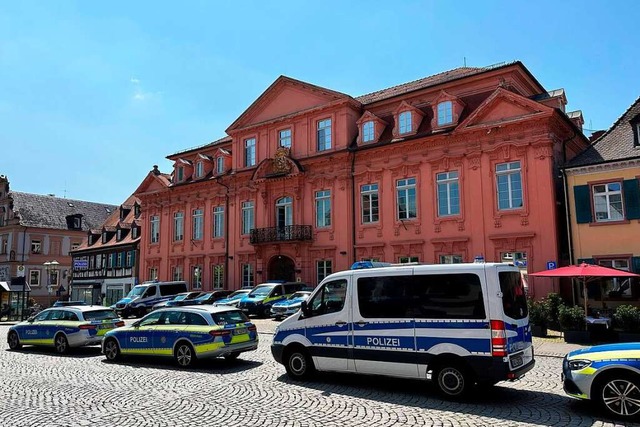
[155, 170]
[596, 134]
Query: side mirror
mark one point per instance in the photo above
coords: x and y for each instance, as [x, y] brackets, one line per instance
[136, 324]
[306, 310]
[31, 319]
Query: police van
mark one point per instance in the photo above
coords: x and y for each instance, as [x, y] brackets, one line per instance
[457, 325]
[141, 299]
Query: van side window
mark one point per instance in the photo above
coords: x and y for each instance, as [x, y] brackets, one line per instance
[172, 288]
[330, 298]
[277, 291]
[514, 300]
[151, 291]
[426, 296]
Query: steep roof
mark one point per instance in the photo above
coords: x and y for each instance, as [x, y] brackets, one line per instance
[36, 210]
[200, 147]
[617, 143]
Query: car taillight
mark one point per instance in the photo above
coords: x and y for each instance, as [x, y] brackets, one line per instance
[252, 328]
[119, 324]
[498, 338]
[219, 333]
[87, 326]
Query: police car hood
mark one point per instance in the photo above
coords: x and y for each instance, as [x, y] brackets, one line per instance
[289, 302]
[126, 300]
[586, 352]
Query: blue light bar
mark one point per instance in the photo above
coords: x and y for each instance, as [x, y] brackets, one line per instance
[359, 265]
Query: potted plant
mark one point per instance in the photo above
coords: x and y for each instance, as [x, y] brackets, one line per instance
[572, 322]
[538, 317]
[626, 319]
[553, 302]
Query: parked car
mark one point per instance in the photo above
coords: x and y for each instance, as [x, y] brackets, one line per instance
[143, 297]
[607, 374]
[183, 298]
[234, 298]
[211, 297]
[263, 296]
[186, 334]
[64, 327]
[68, 303]
[290, 305]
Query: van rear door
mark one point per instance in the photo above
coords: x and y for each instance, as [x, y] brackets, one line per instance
[516, 318]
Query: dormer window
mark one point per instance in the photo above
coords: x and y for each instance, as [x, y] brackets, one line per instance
[368, 131]
[404, 120]
[74, 222]
[220, 165]
[179, 174]
[445, 113]
[637, 133]
[199, 169]
[134, 232]
[77, 223]
[119, 235]
[136, 210]
[104, 237]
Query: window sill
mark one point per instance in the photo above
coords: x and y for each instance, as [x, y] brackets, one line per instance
[601, 223]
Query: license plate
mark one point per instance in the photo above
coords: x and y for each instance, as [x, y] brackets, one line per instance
[516, 361]
[240, 331]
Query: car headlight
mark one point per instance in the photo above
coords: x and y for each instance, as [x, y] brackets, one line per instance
[578, 364]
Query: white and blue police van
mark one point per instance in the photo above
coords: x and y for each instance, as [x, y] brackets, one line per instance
[458, 325]
[141, 299]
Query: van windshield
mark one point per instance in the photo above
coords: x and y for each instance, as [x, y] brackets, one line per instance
[261, 291]
[136, 291]
[514, 300]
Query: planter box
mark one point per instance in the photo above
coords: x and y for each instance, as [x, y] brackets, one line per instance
[538, 330]
[577, 337]
[628, 336]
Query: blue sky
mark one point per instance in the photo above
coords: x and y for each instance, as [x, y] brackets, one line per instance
[93, 94]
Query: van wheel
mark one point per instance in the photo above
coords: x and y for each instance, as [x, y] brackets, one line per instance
[453, 381]
[619, 394]
[299, 364]
[184, 355]
[61, 344]
[14, 341]
[111, 349]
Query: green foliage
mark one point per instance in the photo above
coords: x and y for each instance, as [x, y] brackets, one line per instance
[571, 318]
[553, 301]
[538, 312]
[627, 318]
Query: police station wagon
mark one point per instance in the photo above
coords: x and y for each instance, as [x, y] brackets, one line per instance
[186, 334]
[64, 327]
[457, 325]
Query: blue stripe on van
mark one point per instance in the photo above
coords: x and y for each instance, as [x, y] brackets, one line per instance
[481, 324]
[472, 345]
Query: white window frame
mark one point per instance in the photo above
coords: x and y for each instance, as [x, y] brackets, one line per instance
[323, 135]
[368, 131]
[153, 273]
[619, 264]
[284, 138]
[38, 275]
[197, 219]
[323, 208]
[178, 226]
[451, 259]
[510, 170]
[324, 267]
[199, 169]
[248, 277]
[218, 221]
[220, 165]
[604, 198]
[447, 181]
[370, 208]
[248, 217]
[155, 228]
[36, 246]
[179, 174]
[249, 152]
[408, 259]
[196, 277]
[445, 113]
[177, 273]
[406, 187]
[405, 124]
[217, 276]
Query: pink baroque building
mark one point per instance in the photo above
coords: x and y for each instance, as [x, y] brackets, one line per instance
[444, 169]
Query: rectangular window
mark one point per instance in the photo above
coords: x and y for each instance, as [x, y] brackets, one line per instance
[34, 277]
[179, 174]
[218, 221]
[368, 131]
[249, 152]
[285, 138]
[220, 164]
[369, 201]
[130, 258]
[196, 277]
[247, 276]
[199, 169]
[323, 269]
[247, 217]
[451, 259]
[5, 245]
[323, 208]
[178, 226]
[324, 135]
[53, 278]
[155, 229]
[198, 224]
[217, 276]
[422, 296]
[176, 274]
[616, 287]
[153, 273]
[406, 198]
[407, 259]
[509, 185]
[121, 256]
[607, 202]
[448, 194]
[36, 247]
[405, 122]
[445, 113]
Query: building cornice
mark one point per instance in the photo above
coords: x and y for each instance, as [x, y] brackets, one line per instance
[604, 167]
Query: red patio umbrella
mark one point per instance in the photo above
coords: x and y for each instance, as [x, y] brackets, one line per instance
[584, 271]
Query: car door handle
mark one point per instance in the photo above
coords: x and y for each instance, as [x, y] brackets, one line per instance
[362, 323]
[341, 323]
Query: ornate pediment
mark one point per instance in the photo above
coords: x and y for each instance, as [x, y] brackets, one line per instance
[281, 165]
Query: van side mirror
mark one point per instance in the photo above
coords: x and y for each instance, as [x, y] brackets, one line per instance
[306, 310]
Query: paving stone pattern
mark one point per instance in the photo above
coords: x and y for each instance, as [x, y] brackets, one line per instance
[40, 388]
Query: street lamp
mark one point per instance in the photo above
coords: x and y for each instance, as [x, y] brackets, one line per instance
[52, 271]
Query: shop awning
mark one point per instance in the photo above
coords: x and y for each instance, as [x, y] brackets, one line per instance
[10, 287]
[5, 286]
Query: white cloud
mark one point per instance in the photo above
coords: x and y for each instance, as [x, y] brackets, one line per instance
[135, 81]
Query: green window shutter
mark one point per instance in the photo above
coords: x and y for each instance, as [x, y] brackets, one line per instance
[631, 198]
[586, 261]
[583, 204]
[635, 264]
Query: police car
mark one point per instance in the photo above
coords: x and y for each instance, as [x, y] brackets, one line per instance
[186, 334]
[289, 306]
[607, 374]
[64, 327]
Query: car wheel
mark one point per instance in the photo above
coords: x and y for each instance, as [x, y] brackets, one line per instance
[231, 356]
[14, 341]
[266, 312]
[619, 394]
[184, 355]
[299, 364]
[111, 349]
[452, 380]
[61, 344]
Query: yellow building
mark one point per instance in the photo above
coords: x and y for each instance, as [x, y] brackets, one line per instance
[604, 209]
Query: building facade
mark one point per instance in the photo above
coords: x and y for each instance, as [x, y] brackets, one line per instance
[105, 265]
[37, 234]
[459, 165]
[604, 200]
